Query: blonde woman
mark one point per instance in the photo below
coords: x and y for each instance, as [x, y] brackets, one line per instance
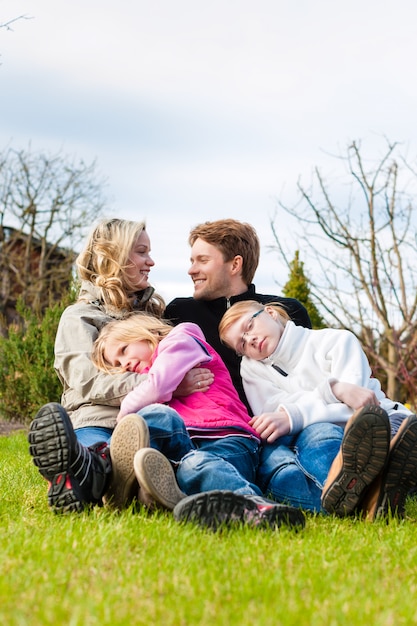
[75, 444]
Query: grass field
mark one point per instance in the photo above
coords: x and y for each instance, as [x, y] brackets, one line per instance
[134, 568]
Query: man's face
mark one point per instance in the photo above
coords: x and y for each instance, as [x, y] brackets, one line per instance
[209, 272]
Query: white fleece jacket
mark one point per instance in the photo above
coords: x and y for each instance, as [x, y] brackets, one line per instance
[310, 360]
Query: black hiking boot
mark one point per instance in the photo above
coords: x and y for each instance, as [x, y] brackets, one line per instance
[77, 475]
[214, 509]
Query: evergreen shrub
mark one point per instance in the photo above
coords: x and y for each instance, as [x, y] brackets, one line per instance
[28, 379]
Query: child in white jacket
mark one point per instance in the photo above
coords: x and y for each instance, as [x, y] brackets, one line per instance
[295, 376]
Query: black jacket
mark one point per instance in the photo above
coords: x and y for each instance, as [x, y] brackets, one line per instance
[208, 313]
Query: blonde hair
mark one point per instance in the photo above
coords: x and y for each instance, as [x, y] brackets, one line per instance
[104, 262]
[135, 327]
[236, 311]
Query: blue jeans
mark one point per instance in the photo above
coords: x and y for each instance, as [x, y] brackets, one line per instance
[395, 420]
[294, 468]
[166, 429]
[226, 463]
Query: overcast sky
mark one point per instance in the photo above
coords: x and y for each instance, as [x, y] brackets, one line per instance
[204, 110]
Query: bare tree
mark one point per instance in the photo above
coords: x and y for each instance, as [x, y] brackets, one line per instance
[361, 252]
[46, 205]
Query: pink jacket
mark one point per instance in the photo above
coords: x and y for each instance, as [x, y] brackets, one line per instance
[185, 347]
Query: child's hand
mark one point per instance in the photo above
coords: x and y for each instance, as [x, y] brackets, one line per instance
[119, 418]
[271, 426]
[353, 396]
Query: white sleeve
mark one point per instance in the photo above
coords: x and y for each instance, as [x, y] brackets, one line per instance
[267, 390]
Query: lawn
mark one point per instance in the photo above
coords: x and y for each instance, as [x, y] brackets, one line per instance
[133, 568]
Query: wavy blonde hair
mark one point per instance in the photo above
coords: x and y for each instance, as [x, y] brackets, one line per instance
[105, 260]
[135, 327]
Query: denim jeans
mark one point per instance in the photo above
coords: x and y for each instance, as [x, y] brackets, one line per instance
[166, 429]
[202, 465]
[395, 420]
[293, 469]
[227, 463]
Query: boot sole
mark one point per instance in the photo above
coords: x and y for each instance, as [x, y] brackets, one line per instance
[50, 440]
[400, 475]
[156, 476]
[365, 448]
[128, 437]
[213, 509]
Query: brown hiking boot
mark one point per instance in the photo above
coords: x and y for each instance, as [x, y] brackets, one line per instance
[362, 456]
[388, 492]
[156, 477]
[130, 434]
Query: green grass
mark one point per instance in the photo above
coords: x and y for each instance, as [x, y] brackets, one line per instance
[134, 568]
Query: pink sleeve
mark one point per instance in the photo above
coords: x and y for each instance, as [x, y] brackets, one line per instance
[177, 354]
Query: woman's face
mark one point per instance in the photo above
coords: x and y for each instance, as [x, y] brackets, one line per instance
[140, 262]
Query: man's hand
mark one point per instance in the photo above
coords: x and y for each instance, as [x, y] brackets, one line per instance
[271, 426]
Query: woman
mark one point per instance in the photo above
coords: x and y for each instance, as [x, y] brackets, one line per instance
[69, 443]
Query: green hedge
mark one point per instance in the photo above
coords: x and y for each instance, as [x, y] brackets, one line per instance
[28, 379]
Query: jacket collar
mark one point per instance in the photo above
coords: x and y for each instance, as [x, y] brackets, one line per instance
[92, 294]
[226, 303]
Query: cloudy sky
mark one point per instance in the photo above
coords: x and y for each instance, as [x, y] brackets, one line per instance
[202, 110]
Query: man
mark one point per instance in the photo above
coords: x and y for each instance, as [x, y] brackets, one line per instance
[224, 259]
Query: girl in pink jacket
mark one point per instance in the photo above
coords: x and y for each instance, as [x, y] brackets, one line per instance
[225, 452]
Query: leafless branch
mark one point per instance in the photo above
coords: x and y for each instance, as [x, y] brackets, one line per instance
[8, 25]
[360, 250]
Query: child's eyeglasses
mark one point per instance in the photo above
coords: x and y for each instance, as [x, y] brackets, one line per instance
[249, 327]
